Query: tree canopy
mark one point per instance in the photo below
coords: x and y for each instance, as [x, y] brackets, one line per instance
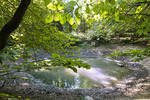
[35, 33]
[38, 29]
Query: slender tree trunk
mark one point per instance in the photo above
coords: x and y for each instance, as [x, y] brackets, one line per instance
[13, 23]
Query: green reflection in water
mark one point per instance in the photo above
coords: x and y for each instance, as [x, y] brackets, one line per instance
[103, 73]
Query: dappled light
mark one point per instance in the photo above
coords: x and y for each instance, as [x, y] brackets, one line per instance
[24, 84]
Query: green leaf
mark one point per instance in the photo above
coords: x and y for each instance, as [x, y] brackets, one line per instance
[117, 16]
[49, 19]
[112, 2]
[71, 21]
[60, 7]
[73, 3]
[76, 11]
[145, 32]
[57, 17]
[2, 71]
[27, 99]
[74, 69]
[25, 56]
[78, 20]
[63, 19]
[6, 66]
[51, 6]
[138, 10]
[16, 67]
[107, 1]
[68, 17]
[123, 4]
[72, 7]
[74, 26]
[122, 17]
[4, 95]
[107, 8]
[140, 32]
[87, 9]
[88, 67]
[55, 55]
[46, 2]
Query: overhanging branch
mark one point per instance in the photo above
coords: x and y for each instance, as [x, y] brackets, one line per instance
[137, 14]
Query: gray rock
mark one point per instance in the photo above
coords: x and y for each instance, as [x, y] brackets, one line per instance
[120, 65]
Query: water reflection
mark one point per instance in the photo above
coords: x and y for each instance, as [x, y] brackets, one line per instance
[94, 74]
[102, 74]
[77, 82]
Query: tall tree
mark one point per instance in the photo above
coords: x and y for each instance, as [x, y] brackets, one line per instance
[13, 23]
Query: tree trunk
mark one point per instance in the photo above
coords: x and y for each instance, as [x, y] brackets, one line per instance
[13, 23]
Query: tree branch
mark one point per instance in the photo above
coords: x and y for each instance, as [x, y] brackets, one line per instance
[13, 23]
[139, 4]
[137, 14]
[144, 2]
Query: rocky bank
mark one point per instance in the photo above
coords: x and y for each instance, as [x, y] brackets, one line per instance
[133, 84]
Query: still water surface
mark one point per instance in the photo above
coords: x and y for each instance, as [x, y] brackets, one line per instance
[103, 73]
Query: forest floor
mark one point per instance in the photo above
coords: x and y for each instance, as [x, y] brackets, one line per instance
[136, 86]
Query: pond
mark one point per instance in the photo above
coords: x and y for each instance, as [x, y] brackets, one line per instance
[103, 73]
